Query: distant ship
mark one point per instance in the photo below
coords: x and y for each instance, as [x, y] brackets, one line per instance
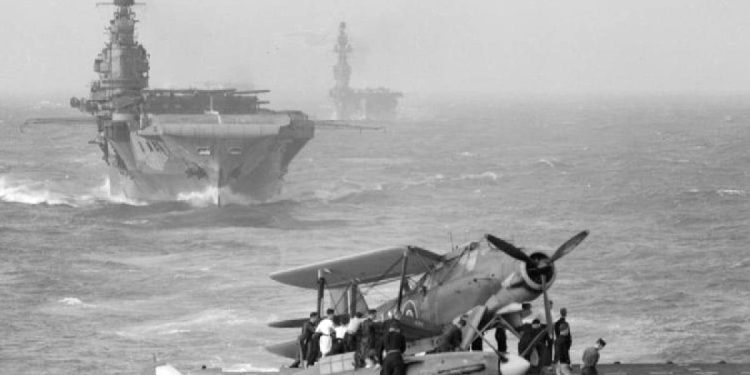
[160, 143]
[354, 104]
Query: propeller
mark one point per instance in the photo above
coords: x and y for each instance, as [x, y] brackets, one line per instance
[539, 264]
[509, 249]
[547, 308]
[548, 317]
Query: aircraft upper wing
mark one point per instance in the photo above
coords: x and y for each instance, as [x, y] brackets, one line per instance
[377, 265]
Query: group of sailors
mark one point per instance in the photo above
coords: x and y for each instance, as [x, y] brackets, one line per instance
[381, 343]
[547, 350]
[360, 334]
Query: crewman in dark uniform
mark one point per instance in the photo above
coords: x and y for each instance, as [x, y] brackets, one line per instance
[563, 314]
[528, 333]
[562, 349]
[306, 337]
[394, 345]
[451, 338]
[501, 338]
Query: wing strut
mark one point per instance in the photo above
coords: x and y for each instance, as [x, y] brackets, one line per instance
[352, 308]
[403, 280]
[321, 289]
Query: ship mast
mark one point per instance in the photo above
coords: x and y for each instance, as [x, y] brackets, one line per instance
[123, 63]
[122, 66]
[342, 95]
[342, 71]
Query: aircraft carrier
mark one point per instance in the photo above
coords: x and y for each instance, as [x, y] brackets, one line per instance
[160, 143]
[358, 104]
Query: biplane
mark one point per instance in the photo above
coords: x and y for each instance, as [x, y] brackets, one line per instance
[485, 281]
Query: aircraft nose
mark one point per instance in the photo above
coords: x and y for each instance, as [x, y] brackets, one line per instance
[540, 267]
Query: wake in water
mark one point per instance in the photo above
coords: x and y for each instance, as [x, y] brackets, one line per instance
[31, 193]
[35, 193]
[207, 197]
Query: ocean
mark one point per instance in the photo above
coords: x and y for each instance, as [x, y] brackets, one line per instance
[98, 284]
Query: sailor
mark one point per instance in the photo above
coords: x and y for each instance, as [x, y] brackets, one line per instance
[501, 338]
[306, 337]
[530, 313]
[451, 338]
[339, 332]
[352, 337]
[325, 329]
[368, 332]
[523, 316]
[394, 345]
[532, 354]
[562, 348]
[591, 357]
[563, 314]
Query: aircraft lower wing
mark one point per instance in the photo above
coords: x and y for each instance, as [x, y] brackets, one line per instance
[288, 323]
[377, 265]
[287, 349]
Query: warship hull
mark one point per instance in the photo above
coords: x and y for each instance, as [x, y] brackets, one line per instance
[237, 158]
[164, 143]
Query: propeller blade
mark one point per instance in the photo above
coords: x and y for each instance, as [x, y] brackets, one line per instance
[547, 312]
[509, 249]
[568, 246]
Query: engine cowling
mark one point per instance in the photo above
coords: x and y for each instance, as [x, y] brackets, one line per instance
[525, 284]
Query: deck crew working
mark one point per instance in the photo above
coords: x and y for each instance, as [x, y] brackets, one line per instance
[325, 329]
[591, 358]
[394, 345]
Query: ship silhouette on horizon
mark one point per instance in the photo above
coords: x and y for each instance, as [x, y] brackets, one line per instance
[160, 143]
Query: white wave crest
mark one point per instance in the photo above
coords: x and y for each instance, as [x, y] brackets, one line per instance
[551, 163]
[31, 193]
[482, 176]
[207, 197]
[731, 192]
[343, 189]
[201, 321]
[104, 192]
[34, 192]
[75, 302]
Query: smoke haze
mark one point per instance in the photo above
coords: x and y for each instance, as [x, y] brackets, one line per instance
[482, 47]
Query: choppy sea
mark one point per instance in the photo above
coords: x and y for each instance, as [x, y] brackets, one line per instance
[96, 284]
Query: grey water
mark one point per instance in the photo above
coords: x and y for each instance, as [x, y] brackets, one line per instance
[98, 284]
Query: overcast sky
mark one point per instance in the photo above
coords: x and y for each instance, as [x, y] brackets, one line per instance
[430, 46]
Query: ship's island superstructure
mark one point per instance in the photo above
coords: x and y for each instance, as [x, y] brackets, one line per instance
[352, 104]
[160, 143]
